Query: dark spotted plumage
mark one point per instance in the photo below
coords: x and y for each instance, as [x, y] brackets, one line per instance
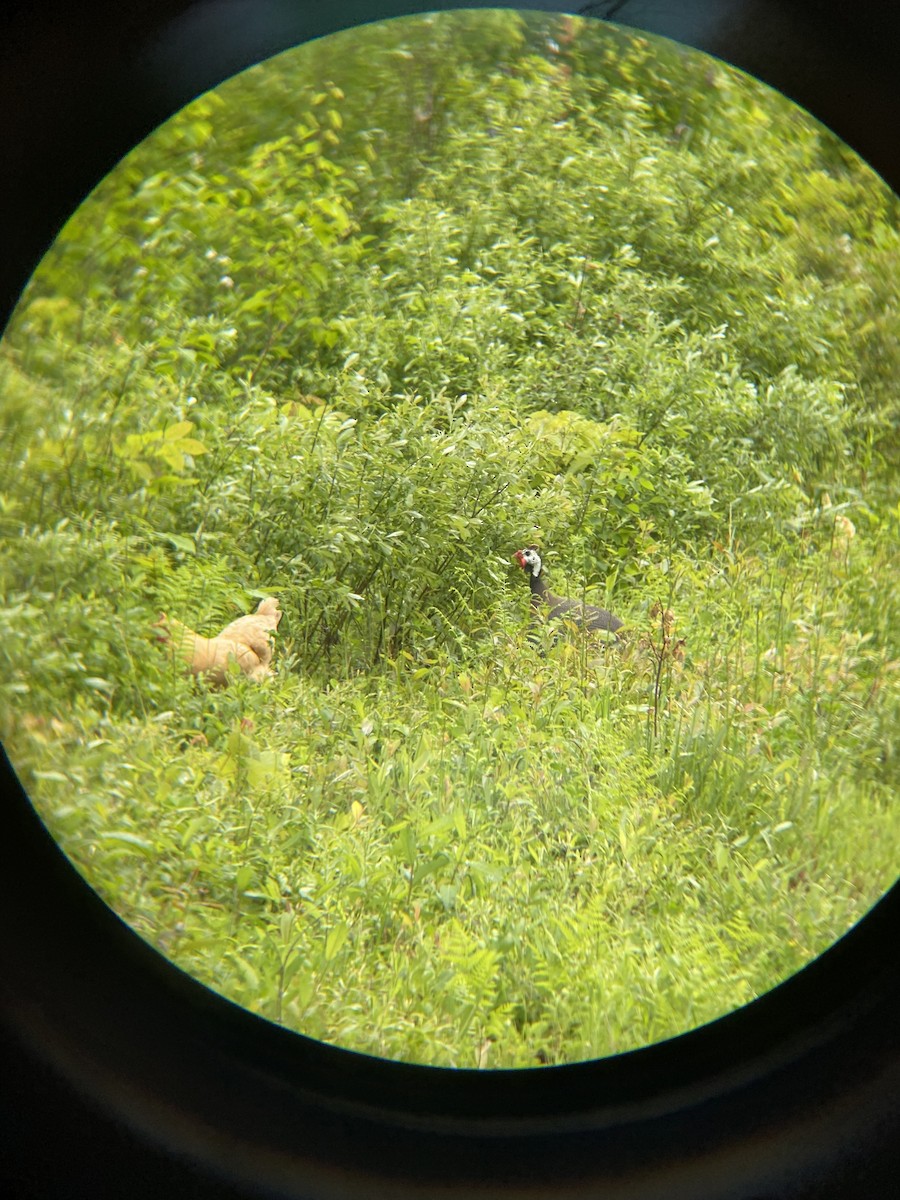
[545, 603]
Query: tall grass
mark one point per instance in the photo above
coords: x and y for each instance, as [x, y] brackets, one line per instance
[505, 854]
[287, 349]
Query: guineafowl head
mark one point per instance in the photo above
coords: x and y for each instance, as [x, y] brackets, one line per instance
[529, 560]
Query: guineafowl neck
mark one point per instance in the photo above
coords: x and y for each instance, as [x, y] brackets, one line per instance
[538, 587]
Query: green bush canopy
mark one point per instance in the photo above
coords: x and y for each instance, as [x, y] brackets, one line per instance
[350, 331]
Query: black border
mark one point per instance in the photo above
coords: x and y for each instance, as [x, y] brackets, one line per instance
[120, 1076]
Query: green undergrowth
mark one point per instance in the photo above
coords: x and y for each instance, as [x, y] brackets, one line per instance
[523, 855]
[350, 331]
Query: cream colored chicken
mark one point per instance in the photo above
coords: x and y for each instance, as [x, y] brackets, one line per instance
[246, 640]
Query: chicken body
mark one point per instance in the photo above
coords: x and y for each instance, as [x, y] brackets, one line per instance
[255, 631]
[246, 640]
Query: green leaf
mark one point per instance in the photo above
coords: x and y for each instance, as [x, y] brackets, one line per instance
[304, 988]
[432, 867]
[180, 541]
[124, 838]
[405, 844]
[335, 940]
[180, 429]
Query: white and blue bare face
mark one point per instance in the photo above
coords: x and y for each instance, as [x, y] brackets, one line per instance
[529, 560]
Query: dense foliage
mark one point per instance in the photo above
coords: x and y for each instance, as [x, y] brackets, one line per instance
[350, 331]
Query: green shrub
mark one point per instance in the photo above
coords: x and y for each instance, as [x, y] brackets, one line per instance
[353, 330]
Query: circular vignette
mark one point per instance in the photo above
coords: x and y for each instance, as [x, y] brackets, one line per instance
[126, 1077]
